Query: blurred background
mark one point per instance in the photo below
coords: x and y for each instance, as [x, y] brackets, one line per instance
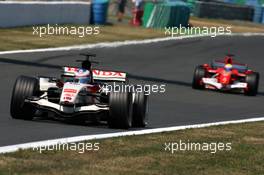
[146, 13]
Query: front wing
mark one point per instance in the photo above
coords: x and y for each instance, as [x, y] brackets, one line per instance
[211, 83]
[44, 104]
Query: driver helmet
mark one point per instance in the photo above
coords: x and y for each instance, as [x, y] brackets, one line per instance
[84, 80]
[228, 67]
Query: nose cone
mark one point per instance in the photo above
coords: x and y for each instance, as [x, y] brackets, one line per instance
[225, 78]
[70, 92]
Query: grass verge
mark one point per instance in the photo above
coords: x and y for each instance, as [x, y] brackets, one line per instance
[146, 155]
[23, 38]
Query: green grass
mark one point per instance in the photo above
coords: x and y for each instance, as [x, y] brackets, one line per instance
[146, 155]
[23, 38]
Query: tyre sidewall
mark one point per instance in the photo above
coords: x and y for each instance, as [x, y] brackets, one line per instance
[24, 87]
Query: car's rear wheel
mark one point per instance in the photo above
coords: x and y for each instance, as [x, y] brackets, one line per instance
[252, 81]
[24, 87]
[199, 73]
[140, 107]
[120, 110]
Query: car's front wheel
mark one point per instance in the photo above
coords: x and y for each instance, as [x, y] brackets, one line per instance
[120, 110]
[252, 81]
[24, 87]
[199, 74]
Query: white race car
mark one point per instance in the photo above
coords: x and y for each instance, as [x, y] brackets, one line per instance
[81, 93]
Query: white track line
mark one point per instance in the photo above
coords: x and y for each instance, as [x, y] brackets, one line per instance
[120, 43]
[46, 143]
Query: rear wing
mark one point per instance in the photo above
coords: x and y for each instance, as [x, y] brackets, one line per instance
[240, 67]
[103, 75]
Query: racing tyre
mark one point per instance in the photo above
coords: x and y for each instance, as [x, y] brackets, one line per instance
[120, 110]
[24, 87]
[199, 73]
[140, 106]
[253, 81]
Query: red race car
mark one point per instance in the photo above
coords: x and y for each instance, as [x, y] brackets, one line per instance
[226, 75]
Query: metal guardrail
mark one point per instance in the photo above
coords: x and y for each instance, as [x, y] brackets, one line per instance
[223, 11]
[17, 13]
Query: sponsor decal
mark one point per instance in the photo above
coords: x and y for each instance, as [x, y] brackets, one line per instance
[71, 69]
[108, 73]
[70, 91]
[68, 95]
[67, 98]
[77, 71]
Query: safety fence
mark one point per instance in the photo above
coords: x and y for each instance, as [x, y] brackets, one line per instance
[258, 6]
[223, 11]
[251, 10]
[14, 14]
[167, 14]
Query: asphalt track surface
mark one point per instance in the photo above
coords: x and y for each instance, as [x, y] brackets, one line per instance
[171, 63]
